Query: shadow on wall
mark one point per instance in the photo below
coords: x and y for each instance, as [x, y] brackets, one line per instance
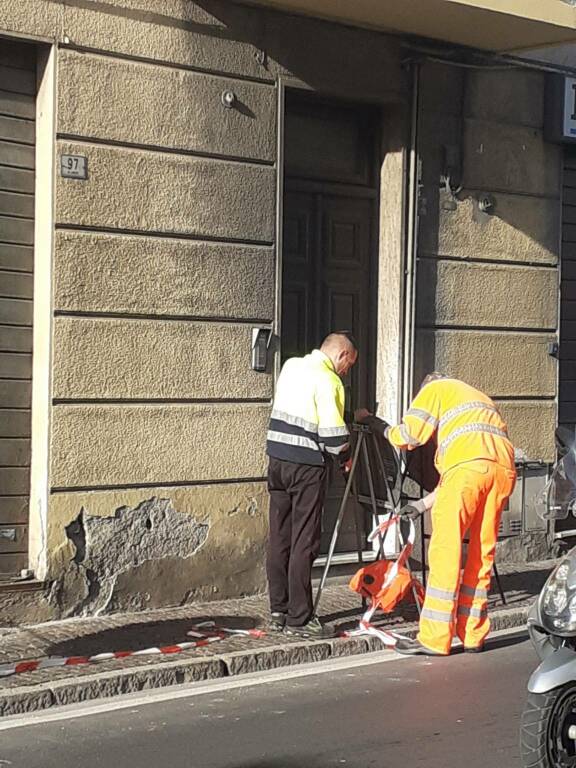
[333, 59]
[482, 127]
[329, 58]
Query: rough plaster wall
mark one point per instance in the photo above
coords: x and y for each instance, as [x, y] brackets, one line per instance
[231, 563]
[527, 548]
[194, 248]
[180, 197]
[206, 541]
[483, 276]
[107, 547]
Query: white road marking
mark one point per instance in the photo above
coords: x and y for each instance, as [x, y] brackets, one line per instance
[189, 690]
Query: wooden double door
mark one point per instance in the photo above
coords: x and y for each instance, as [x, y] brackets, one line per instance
[330, 232]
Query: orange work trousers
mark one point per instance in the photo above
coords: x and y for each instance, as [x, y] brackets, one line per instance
[469, 500]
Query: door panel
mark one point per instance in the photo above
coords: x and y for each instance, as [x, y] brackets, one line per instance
[347, 235]
[346, 256]
[295, 320]
[299, 269]
[345, 250]
[329, 142]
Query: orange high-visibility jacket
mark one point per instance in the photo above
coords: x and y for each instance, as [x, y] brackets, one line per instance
[467, 423]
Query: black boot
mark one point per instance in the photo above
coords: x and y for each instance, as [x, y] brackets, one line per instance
[408, 647]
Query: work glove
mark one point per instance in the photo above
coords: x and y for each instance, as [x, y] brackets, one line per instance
[412, 510]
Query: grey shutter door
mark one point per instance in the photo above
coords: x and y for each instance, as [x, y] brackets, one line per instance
[17, 161]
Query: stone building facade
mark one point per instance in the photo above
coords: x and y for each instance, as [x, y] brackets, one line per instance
[243, 168]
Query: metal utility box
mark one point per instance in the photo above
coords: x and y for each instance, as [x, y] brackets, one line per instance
[519, 515]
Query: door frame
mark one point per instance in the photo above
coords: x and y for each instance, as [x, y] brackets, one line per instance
[375, 196]
[285, 84]
[280, 137]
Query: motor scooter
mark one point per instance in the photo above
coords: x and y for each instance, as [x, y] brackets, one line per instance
[548, 726]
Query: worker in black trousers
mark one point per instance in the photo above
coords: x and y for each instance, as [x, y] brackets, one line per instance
[307, 426]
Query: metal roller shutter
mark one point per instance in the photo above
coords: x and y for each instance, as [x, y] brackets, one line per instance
[17, 161]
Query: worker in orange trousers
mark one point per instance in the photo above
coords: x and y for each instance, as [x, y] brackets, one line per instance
[475, 460]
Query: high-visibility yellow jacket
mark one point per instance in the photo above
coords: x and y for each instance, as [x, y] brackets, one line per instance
[467, 424]
[308, 412]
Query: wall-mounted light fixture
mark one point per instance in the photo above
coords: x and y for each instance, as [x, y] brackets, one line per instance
[228, 99]
[261, 338]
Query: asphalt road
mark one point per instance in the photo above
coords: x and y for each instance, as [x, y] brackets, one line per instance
[440, 713]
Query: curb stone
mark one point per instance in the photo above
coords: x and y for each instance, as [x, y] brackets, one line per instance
[510, 617]
[20, 701]
[25, 699]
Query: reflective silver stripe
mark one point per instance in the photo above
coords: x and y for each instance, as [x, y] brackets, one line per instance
[444, 616]
[406, 436]
[478, 427]
[335, 451]
[333, 431]
[441, 594]
[476, 613]
[474, 404]
[424, 416]
[480, 594]
[301, 442]
[296, 421]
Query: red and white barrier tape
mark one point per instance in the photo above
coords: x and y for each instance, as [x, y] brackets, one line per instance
[365, 627]
[205, 633]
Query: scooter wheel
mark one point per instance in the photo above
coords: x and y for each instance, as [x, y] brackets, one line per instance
[548, 729]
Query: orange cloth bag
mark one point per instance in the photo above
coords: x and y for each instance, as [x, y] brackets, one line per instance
[369, 582]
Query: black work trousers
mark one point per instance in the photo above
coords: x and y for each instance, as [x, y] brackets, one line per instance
[296, 499]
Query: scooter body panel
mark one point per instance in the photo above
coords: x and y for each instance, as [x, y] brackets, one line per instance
[556, 670]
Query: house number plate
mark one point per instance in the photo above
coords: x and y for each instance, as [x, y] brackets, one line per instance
[74, 166]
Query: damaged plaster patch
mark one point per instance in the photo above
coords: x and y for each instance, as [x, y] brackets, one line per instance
[108, 546]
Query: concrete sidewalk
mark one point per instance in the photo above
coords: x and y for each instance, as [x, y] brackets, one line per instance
[234, 655]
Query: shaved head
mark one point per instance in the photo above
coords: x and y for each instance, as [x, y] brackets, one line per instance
[341, 348]
[434, 376]
[339, 340]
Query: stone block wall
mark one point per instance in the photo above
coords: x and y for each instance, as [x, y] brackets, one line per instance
[165, 256]
[488, 281]
[163, 259]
